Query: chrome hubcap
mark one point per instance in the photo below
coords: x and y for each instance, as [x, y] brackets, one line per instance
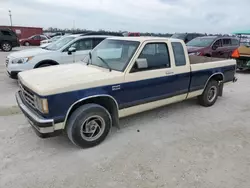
[212, 94]
[92, 128]
[6, 47]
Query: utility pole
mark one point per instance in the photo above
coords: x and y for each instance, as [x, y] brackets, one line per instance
[10, 18]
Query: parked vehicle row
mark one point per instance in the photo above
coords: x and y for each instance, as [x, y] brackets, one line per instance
[121, 76]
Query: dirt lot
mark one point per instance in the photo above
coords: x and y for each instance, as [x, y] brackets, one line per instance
[183, 145]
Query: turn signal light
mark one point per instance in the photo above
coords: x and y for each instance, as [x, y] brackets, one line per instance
[235, 54]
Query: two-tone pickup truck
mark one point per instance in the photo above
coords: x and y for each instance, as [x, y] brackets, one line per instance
[120, 77]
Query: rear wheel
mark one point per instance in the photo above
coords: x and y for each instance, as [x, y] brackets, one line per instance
[6, 46]
[210, 94]
[89, 125]
[26, 44]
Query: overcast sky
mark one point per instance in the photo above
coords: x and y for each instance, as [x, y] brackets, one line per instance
[211, 16]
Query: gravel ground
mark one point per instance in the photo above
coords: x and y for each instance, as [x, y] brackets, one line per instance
[182, 145]
[8, 86]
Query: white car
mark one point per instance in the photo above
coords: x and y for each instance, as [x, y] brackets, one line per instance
[45, 43]
[68, 49]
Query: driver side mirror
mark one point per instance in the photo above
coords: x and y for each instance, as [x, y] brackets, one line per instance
[71, 50]
[142, 63]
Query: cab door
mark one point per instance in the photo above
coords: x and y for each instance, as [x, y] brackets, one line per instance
[159, 80]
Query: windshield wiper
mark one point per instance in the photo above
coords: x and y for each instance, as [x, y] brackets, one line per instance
[105, 63]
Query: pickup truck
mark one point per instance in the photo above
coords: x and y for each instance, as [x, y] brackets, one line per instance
[120, 77]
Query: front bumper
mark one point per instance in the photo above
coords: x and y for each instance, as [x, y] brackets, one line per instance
[43, 127]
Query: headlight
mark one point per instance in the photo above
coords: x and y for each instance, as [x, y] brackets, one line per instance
[42, 105]
[21, 60]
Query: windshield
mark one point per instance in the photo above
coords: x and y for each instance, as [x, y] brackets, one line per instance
[59, 43]
[178, 36]
[112, 54]
[55, 38]
[200, 42]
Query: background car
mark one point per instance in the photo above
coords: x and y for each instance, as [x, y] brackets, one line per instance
[8, 40]
[213, 46]
[44, 43]
[186, 37]
[68, 49]
[33, 40]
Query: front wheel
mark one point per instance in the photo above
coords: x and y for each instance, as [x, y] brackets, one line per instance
[89, 125]
[6, 46]
[210, 94]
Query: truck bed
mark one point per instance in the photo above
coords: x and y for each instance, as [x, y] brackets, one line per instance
[203, 59]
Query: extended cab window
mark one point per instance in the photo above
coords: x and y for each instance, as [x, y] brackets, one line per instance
[179, 55]
[157, 56]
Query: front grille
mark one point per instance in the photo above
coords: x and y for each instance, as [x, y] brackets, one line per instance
[27, 95]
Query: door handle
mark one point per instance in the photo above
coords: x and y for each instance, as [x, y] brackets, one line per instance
[169, 72]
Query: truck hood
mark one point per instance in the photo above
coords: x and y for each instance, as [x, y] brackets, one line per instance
[29, 52]
[70, 77]
[194, 49]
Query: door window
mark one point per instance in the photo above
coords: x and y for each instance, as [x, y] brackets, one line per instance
[43, 38]
[83, 44]
[97, 41]
[37, 37]
[157, 56]
[235, 42]
[217, 44]
[226, 42]
[6, 33]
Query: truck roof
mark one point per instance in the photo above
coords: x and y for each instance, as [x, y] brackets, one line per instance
[142, 39]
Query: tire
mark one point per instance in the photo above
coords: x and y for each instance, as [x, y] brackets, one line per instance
[26, 44]
[44, 65]
[6, 46]
[210, 94]
[94, 119]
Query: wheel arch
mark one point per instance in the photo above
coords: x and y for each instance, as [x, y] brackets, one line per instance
[218, 76]
[107, 101]
[47, 61]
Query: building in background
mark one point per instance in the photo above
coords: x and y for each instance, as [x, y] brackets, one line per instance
[24, 32]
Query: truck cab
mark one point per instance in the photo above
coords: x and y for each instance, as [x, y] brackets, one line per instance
[120, 77]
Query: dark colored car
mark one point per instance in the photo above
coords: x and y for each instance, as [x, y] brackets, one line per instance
[33, 40]
[186, 37]
[213, 46]
[8, 40]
